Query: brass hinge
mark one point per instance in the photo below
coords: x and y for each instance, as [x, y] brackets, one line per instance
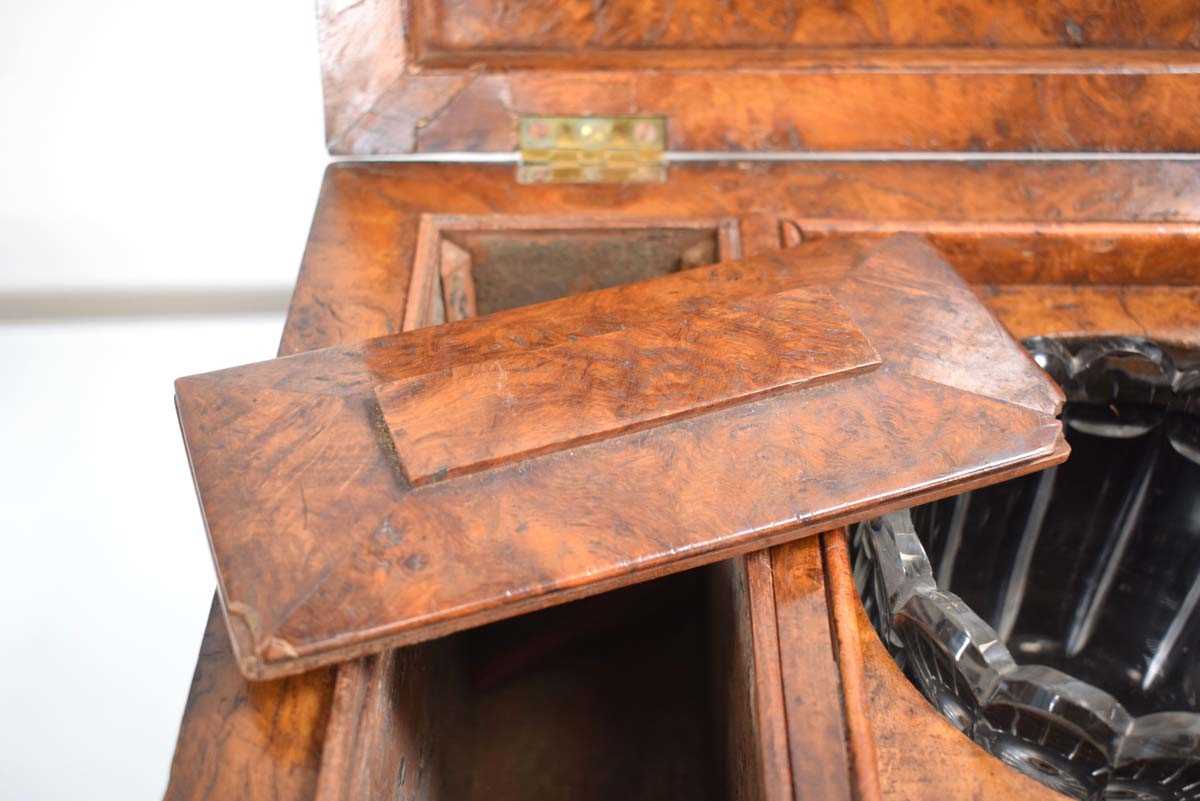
[592, 149]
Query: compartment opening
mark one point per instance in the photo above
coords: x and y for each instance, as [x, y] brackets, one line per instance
[471, 265]
[607, 697]
[622, 695]
[519, 268]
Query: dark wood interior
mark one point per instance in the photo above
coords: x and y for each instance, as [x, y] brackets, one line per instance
[517, 268]
[611, 697]
[469, 265]
[608, 697]
[621, 695]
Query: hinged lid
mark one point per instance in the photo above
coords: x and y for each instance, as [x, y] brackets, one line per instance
[1006, 75]
[413, 485]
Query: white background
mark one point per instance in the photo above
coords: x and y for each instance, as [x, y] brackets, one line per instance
[143, 146]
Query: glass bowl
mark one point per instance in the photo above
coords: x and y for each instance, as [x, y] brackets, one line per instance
[1055, 618]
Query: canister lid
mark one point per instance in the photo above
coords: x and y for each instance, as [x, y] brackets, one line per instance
[409, 486]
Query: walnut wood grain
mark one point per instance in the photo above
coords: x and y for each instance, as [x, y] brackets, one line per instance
[1169, 314]
[770, 741]
[695, 358]
[1036, 108]
[812, 688]
[354, 284]
[389, 715]
[359, 261]
[810, 672]
[361, 744]
[752, 756]
[248, 741]
[843, 598]
[358, 760]
[899, 59]
[663, 27]
[265, 741]
[746, 669]
[922, 757]
[1031, 252]
[436, 77]
[323, 553]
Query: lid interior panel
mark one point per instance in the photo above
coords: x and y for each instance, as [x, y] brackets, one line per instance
[943, 76]
[484, 27]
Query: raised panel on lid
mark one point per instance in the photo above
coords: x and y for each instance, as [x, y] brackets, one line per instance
[701, 356]
[553, 488]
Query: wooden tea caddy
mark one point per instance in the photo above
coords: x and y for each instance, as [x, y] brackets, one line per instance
[757, 677]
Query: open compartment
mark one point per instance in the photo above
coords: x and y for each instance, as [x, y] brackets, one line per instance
[472, 265]
[608, 697]
[621, 695]
[627, 694]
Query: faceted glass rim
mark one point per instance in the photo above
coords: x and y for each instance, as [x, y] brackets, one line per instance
[989, 670]
[913, 615]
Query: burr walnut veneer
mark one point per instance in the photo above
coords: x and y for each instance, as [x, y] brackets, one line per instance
[938, 76]
[416, 484]
[1070, 248]
[755, 676]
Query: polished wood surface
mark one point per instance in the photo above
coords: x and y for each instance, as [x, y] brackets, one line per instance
[324, 551]
[1134, 253]
[370, 219]
[703, 354]
[240, 740]
[812, 691]
[432, 76]
[1165, 313]
[921, 756]
[566, 256]
[662, 26]
[843, 606]
[522, 740]
[354, 285]
[810, 734]
[746, 667]
[1033, 107]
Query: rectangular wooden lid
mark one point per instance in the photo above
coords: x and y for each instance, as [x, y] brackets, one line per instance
[427, 75]
[367, 496]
